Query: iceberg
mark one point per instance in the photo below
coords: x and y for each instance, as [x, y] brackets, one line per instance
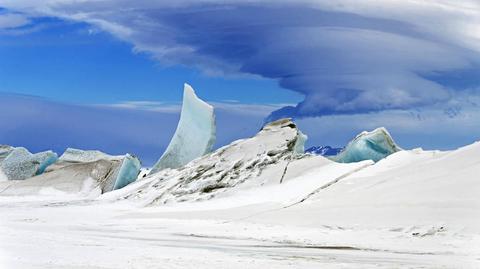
[111, 172]
[299, 147]
[195, 134]
[45, 159]
[19, 163]
[374, 145]
[128, 172]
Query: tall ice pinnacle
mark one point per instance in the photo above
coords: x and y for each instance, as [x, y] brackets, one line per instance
[195, 134]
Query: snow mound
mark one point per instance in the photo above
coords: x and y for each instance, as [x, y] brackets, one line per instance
[374, 145]
[195, 134]
[270, 157]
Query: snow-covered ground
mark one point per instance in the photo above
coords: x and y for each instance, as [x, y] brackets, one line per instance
[259, 209]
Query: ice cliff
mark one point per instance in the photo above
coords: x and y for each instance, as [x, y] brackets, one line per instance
[195, 134]
[374, 145]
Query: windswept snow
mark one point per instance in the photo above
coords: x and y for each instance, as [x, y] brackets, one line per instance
[256, 203]
[195, 134]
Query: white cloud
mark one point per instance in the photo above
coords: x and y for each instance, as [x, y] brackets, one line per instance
[8, 21]
[345, 56]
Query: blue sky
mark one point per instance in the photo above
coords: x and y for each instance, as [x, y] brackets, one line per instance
[109, 74]
[71, 62]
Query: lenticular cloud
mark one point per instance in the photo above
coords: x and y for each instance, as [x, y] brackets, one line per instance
[348, 57]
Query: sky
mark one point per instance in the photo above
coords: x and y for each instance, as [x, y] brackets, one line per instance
[108, 74]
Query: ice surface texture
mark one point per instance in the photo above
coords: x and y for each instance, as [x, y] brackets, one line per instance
[128, 172]
[195, 134]
[45, 159]
[19, 163]
[82, 156]
[4, 151]
[374, 145]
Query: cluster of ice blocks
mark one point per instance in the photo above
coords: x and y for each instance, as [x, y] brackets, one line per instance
[110, 172]
[123, 169]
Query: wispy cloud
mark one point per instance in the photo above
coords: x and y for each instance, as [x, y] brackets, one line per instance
[11, 21]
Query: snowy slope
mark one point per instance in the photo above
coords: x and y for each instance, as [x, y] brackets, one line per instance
[257, 203]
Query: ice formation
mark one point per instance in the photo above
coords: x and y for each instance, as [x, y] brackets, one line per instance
[4, 151]
[19, 163]
[128, 172]
[299, 147]
[272, 156]
[374, 145]
[45, 159]
[110, 172]
[195, 134]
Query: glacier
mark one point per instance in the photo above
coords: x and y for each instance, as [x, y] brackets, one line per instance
[194, 136]
[374, 145]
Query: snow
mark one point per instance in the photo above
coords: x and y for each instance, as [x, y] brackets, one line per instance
[195, 134]
[374, 145]
[82, 156]
[256, 203]
[122, 169]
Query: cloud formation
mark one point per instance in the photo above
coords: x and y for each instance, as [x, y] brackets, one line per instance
[345, 57]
